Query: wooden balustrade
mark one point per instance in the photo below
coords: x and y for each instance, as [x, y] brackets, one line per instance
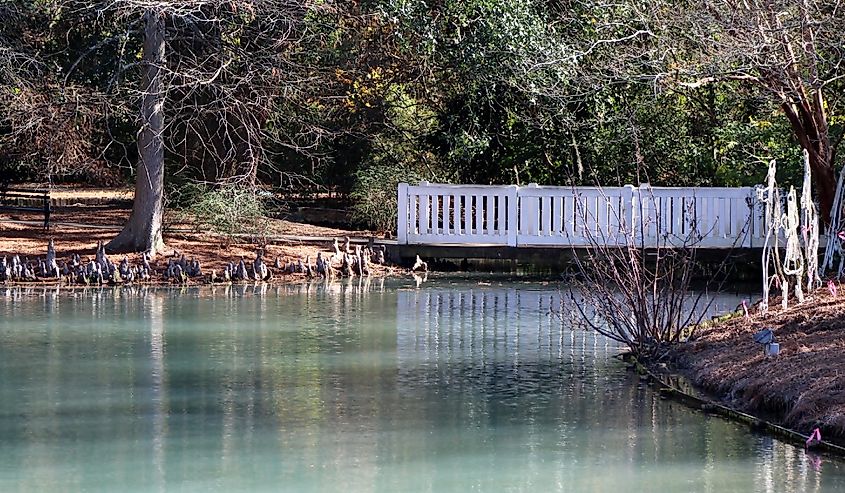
[579, 216]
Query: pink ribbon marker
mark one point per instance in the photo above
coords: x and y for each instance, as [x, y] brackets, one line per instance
[815, 438]
[841, 235]
[745, 308]
[832, 287]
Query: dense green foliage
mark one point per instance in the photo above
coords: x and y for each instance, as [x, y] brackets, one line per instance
[356, 96]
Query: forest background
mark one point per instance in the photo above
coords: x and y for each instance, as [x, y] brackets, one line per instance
[269, 98]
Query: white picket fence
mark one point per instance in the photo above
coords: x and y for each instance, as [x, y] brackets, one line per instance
[534, 215]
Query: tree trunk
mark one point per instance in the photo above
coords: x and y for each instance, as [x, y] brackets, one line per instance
[825, 179]
[809, 124]
[143, 231]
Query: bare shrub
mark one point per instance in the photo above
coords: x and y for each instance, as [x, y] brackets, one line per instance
[639, 292]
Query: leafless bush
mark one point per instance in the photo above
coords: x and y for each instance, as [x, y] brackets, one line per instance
[56, 134]
[638, 292]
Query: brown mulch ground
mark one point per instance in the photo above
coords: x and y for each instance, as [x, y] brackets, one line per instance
[212, 251]
[804, 385]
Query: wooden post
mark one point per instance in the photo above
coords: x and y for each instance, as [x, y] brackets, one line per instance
[513, 215]
[529, 211]
[402, 211]
[628, 216]
[648, 215]
[425, 211]
[758, 217]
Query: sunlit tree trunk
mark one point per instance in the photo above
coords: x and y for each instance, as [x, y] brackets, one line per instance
[143, 231]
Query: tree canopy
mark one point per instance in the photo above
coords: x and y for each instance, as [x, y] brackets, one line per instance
[355, 96]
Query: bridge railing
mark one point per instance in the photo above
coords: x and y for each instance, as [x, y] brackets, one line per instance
[579, 216]
[458, 214]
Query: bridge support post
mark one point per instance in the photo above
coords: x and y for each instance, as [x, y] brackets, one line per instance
[529, 212]
[649, 217]
[402, 218]
[513, 215]
[628, 216]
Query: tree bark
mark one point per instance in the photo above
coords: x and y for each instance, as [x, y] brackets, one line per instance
[825, 179]
[811, 130]
[143, 230]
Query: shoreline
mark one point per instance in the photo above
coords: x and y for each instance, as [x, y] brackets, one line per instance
[236, 289]
[208, 255]
[282, 279]
[800, 389]
[667, 385]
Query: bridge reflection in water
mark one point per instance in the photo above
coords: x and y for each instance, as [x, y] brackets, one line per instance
[491, 326]
[512, 371]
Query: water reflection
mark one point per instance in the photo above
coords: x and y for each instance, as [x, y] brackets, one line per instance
[370, 385]
[158, 387]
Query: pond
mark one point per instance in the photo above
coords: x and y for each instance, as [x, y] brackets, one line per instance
[377, 386]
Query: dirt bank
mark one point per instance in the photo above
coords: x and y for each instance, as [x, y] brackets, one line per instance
[803, 387]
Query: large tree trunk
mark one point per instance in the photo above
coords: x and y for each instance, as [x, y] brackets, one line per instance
[143, 231]
[822, 167]
[809, 123]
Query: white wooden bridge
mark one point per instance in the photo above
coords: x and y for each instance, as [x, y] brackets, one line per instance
[542, 216]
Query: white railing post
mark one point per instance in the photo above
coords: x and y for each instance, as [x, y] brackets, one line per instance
[513, 215]
[751, 200]
[424, 216]
[761, 222]
[646, 203]
[628, 215]
[529, 213]
[402, 218]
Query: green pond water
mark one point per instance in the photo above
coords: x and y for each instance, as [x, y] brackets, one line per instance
[446, 386]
